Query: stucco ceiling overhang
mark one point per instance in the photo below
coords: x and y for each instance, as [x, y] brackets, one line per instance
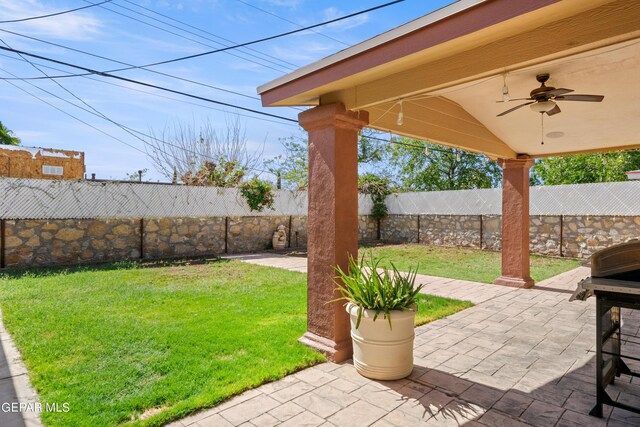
[447, 68]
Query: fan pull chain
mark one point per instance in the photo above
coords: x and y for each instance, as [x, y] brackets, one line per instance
[542, 128]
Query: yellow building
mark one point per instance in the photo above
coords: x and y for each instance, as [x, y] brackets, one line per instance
[44, 163]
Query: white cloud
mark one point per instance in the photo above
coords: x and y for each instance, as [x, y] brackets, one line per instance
[333, 13]
[80, 25]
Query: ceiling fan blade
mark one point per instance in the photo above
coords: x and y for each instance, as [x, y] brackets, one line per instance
[559, 91]
[515, 99]
[554, 110]
[514, 108]
[584, 98]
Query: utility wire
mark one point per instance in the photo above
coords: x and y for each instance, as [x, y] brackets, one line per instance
[236, 46]
[186, 24]
[276, 36]
[117, 62]
[93, 111]
[139, 91]
[113, 76]
[54, 14]
[287, 68]
[285, 20]
[72, 116]
[89, 109]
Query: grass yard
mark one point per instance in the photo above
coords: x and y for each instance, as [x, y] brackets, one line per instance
[126, 345]
[431, 307]
[460, 263]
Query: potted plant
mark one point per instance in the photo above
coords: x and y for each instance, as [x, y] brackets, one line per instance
[382, 305]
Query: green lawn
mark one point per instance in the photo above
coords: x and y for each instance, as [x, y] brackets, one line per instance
[460, 263]
[141, 346]
[431, 307]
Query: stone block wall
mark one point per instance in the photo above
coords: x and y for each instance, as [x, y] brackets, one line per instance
[450, 230]
[251, 234]
[492, 232]
[583, 235]
[298, 236]
[545, 235]
[183, 237]
[39, 243]
[367, 228]
[400, 229]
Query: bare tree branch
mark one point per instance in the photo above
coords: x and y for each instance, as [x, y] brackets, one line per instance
[185, 147]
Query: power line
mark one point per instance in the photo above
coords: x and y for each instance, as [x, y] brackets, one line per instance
[276, 36]
[54, 14]
[189, 38]
[72, 116]
[236, 46]
[106, 74]
[117, 62]
[139, 91]
[91, 110]
[186, 24]
[285, 20]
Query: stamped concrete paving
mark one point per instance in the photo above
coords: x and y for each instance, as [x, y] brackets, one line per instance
[519, 357]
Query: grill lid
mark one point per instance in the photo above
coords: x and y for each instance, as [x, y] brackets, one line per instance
[623, 259]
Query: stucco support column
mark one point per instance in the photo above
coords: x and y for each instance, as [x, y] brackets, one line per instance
[515, 223]
[332, 223]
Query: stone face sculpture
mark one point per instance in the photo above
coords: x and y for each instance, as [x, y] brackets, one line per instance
[279, 238]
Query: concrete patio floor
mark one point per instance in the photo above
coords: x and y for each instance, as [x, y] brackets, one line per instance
[519, 357]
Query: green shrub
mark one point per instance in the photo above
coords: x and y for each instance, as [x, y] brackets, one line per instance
[258, 194]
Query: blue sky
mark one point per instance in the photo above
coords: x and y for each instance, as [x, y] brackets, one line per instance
[109, 34]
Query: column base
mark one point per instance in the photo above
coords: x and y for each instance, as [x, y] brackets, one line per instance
[515, 282]
[335, 351]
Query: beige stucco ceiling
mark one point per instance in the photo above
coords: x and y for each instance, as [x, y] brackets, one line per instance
[613, 71]
[447, 69]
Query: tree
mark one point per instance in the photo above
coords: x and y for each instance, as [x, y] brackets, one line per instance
[222, 173]
[443, 168]
[292, 167]
[585, 168]
[185, 150]
[378, 188]
[7, 137]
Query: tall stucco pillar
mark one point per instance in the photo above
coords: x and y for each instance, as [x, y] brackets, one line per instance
[515, 224]
[332, 222]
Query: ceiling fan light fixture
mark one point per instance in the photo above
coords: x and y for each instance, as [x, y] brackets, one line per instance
[543, 106]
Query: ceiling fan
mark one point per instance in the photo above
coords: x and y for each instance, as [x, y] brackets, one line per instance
[543, 99]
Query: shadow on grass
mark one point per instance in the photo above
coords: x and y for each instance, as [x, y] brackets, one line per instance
[18, 273]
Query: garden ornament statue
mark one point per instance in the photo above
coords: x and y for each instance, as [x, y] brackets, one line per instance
[279, 238]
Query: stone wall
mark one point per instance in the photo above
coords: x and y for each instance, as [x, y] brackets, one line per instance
[450, 230]
[491, 232]
[298, 236]
[584, 235]
[400, 229]
[183, 237]
[367, 229]
[27, 243]
[42, 243]
[252, 234]
[545, 235]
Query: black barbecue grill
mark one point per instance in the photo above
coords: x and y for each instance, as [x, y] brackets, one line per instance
[615, 282]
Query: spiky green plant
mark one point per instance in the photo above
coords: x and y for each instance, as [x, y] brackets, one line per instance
[370, 287]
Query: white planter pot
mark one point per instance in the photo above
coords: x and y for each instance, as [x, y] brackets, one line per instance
[380, 352]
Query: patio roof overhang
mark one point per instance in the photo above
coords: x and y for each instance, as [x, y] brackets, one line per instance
[447, 68]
